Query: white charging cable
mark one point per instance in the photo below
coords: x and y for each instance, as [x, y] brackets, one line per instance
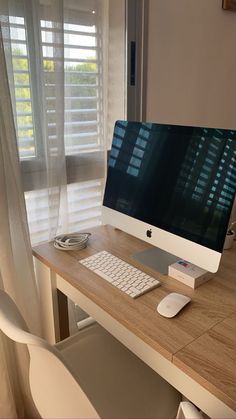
[74, 241]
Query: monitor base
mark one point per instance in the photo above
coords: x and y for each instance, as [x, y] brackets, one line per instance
[156, 259]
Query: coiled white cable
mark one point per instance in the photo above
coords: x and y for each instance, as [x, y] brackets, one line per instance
[74, 241]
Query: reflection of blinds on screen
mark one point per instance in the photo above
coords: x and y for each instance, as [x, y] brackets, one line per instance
[209, 173]
[180, 179]
[205, 187]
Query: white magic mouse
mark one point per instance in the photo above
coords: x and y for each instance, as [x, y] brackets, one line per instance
[172, 304]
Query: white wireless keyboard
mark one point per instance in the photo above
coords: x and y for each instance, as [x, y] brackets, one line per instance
[126, 277]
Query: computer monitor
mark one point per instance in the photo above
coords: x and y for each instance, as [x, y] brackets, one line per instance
[172, 186]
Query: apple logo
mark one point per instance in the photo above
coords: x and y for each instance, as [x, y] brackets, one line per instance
[149, 233]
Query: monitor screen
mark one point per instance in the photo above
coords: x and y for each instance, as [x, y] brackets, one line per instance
[177, 178]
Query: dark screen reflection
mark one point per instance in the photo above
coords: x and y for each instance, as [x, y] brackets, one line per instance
[180, 179]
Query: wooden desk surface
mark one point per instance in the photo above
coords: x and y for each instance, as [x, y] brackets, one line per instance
[200, 340]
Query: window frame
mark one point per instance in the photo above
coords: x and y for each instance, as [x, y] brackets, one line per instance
[81, 166]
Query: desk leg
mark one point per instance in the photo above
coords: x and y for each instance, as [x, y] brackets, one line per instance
[46, 280]
[63, 315]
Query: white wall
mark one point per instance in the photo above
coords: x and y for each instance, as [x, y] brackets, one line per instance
[191, 66]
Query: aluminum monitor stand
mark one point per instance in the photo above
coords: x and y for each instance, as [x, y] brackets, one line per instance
[157, 259]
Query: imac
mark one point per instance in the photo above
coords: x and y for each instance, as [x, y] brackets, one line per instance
[174, 187]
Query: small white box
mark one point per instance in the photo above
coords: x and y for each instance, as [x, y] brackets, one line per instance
[188, 274]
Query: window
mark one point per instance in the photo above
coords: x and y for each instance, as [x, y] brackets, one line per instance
[38, 48]
[22, 88]
[38, 87]
[83, 82]
[83, 207]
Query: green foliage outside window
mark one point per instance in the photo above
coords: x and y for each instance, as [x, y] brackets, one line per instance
[83, 78]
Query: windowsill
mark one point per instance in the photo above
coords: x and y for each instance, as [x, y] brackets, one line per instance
[79, 168]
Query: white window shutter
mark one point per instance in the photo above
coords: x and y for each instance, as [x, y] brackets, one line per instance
[84, 127]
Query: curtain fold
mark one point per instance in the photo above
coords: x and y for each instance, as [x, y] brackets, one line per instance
[16, 264]
[56, 53]
[34, 70]
[52, 126]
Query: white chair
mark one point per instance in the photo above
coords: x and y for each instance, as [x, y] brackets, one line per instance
[187, 410]
[88, 375]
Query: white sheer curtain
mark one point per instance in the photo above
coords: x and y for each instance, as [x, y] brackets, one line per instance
[56, 59]
[52, 148]
[16, 265]
[42, 154]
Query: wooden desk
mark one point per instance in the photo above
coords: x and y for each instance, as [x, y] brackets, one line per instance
[195, 351]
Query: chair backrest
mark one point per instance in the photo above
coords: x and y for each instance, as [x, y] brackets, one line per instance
[54, 389]
[188, 411]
